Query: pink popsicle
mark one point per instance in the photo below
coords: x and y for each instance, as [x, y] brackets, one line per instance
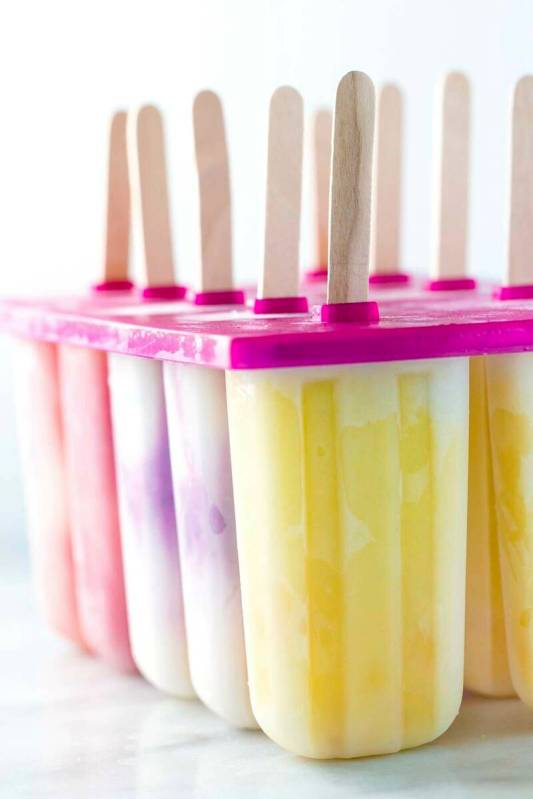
[93, 504]
[44, 436]
[41, 437]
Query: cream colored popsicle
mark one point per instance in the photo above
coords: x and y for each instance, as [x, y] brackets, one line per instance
[146, 504]
[350, 495]
[201, 470]
[148, 525]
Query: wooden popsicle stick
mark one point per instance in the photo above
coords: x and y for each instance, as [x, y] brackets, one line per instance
[214, 189]
[452, 179]
[117, 240]
[280, 275]
[520, 243]
[351, 189]
[146, 151]
[323, 123]
[387, 192]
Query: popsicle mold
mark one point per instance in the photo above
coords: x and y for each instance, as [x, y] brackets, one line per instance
[350, 495]
[147, 524]
[201, 468]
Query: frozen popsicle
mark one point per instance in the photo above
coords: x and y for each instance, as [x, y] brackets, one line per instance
[146, 505]
[509, 387]
[89, 450]
[199, 445]
[41, 423]
[350, 495]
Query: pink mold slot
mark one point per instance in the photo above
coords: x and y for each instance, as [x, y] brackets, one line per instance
[281, 305]
[389, 279]
[172, 292]
[452, 284]
[519, 292]
[224, 297]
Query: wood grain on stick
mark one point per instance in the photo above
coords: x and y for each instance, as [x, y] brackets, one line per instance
[452, 179]
[351, 188]
[214, 189]
[280, 276]
[387, 192]
[323, 123]
[520, 246]
[117, 238]
[146, 149]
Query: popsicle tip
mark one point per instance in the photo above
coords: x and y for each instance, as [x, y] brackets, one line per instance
[323, 115]
[355, 84]
[390, 92]
[118, 118]
[206, 99]
[147, 114]
[286, 94]
[456, 82]
[523, 90]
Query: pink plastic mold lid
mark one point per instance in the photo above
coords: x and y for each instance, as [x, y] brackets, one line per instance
[236, 338]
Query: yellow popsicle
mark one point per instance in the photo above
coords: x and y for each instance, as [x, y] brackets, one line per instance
[350, 490]
[510, 388]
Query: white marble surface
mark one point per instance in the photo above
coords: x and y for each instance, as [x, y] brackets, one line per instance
[70, 727]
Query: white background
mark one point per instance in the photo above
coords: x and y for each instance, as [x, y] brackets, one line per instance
[64, 66]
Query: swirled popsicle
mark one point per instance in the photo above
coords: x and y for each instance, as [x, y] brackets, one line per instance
[146, 504]
[201, 468]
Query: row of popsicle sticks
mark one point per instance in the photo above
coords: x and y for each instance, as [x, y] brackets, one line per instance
[358, 214]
